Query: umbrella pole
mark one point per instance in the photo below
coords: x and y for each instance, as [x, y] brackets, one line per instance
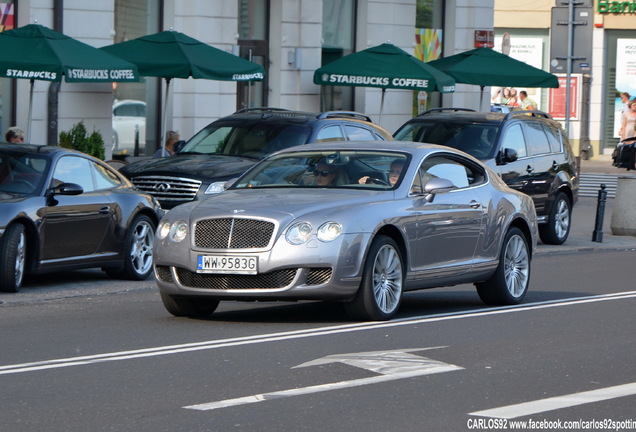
[382, 105]
[28, 137]
[481, 97]
[165, 117]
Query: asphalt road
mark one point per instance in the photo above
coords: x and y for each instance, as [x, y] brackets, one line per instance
[83, 353]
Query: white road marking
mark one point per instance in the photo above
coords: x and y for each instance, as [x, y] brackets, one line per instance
[554, 403]
[391, 365]
[298, 334]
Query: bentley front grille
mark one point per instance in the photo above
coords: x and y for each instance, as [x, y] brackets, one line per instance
[167, 189]
[274, 280]
[233, 233]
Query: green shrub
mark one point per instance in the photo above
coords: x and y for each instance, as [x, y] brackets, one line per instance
[78, 139]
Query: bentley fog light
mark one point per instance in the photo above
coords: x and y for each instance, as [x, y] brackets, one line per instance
[329, 231]
[179, 231]
[298, 233]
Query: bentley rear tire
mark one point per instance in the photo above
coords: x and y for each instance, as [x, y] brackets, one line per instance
[509, 284]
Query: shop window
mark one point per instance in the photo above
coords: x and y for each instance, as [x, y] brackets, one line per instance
[133, 19]
[429, 24]
[253, 31]
[338, 40]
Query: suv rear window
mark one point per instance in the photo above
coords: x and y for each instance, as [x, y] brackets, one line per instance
[355, 133]
[554, 138]
[537, 138]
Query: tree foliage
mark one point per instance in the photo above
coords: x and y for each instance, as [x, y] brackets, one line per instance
[78, 139]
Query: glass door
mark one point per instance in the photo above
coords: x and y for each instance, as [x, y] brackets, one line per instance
[253, 31]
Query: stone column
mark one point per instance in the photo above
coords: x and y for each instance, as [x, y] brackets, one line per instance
[624, 209]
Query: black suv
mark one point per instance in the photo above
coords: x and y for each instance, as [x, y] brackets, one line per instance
[528, 149]
[227, 147]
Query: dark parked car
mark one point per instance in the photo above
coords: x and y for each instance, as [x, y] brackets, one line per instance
[528, 149]
[227, 147]
[64, 210]
[358, 223]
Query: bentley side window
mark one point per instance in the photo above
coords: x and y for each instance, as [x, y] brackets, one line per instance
[461, 173]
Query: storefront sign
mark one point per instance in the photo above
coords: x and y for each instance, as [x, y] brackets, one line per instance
[526, 49]
[616, 7]
[485, 38]
[557, 98]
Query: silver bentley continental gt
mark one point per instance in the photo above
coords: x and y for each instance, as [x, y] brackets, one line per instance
[354, 222]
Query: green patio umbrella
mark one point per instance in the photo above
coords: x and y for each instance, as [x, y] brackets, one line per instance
[384, 66]
[170, 54]
[35, 52]
[487, 67]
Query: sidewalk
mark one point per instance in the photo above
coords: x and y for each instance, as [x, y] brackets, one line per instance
[602, 165]
[584, 218]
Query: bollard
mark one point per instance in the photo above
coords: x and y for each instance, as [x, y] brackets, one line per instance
[597, 236]
[136, 149]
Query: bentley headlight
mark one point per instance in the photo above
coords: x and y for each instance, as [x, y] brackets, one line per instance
[179, 231]
[329, 231]
[164, 230]
[298, 233]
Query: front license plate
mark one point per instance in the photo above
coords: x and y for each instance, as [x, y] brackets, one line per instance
[234, 264]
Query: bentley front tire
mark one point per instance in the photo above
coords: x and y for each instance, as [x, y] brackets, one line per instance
[380, 293]
[189, 306]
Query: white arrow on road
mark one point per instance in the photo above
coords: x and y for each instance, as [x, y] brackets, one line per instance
[391, 365]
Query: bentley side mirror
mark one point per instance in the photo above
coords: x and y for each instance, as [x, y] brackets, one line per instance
[437, 186]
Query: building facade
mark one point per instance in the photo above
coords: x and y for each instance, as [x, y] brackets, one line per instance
[602, 55]
[290, 38]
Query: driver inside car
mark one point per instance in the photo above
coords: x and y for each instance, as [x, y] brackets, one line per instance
[394, 173]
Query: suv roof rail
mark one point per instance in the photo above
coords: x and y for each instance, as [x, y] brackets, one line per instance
[352, 114]
[428, 111]
[260, 109]
[512, 114]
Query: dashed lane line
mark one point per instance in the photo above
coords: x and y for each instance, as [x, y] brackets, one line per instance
[559, 402]
[298, 334]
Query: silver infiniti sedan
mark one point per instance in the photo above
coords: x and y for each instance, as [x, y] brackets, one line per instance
[355, 222]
